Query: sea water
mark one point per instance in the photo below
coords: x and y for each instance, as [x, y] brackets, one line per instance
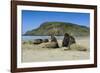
[26, 38]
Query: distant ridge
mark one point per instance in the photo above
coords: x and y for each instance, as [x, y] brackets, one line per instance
[58, 29]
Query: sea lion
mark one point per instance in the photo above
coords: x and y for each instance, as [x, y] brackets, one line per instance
[37, 41]
[45, 40]
[68, 40]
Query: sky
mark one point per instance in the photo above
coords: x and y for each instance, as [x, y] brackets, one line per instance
[33, 19]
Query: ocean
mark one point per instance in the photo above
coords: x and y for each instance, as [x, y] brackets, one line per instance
[26, 38]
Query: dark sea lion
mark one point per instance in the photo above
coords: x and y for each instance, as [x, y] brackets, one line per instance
[37, 41]
[66, 40]
[45, 40]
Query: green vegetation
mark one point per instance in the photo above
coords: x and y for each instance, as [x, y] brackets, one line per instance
[58, 29]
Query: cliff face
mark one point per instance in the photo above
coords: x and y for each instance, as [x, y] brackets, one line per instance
[58, 29]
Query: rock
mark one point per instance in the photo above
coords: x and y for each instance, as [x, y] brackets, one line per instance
[37, 41]
[45, 40]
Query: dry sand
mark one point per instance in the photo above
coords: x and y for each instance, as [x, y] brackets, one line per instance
[34, 53]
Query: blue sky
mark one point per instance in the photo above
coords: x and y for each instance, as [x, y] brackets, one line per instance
[33, 19]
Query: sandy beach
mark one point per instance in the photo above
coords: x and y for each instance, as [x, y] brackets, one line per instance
[35, 53]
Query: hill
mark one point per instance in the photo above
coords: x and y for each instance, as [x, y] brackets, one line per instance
[58, 29]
